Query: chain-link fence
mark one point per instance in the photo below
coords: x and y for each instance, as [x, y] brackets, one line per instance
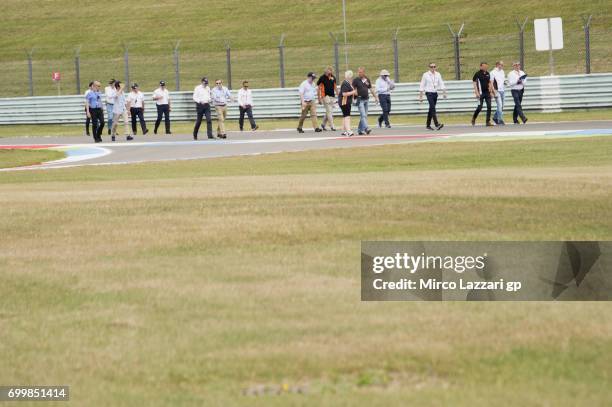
[274, 62]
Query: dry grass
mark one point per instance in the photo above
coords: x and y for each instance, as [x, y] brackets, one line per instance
[188, 289]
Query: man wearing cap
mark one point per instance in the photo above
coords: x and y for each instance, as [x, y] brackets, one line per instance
[384, 86]
[202, 99]
[245, 103]
[109, 95]
[327, 96]
[308, 97]
[221, 96]
[93, 106]
[161, 96]
[363, 85]
[136, 105]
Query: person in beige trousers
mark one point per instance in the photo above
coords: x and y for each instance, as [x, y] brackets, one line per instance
[308, 102]
[120, 111]
[221, 96]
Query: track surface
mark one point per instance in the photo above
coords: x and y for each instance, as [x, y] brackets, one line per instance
[82, 151]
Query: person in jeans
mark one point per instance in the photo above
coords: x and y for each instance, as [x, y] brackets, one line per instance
[363, 86]
[308, 102]
[120, 111]
[245, 104]
[498, 77]
[483, 89]
[202, 98]
[221, 96]
[345, 100]
[161, 96]
[136, 104]
[431, 83]
[384, 86]
[93, 106]
[516, 81]
[327, 96]
[109, 95]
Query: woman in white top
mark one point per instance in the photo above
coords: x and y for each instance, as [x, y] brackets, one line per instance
[120, 111]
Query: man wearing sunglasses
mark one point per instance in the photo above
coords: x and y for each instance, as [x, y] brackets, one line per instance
[431, 83]
[221, 96]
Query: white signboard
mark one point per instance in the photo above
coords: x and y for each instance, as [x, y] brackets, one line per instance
[548, 33]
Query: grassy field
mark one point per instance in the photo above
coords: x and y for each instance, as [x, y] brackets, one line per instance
[232, 125]
[206, 282]
[54, 29]
[20, 158]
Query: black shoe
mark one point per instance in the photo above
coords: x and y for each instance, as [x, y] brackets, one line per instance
[429, 128]
[195, 137]
[361, 133]
[489, 124]
[368, 130]
[299, 129]
[241, 129]
[473, 122]
[168, 132]
[439, 126]
[318, 130]
[380, 123]
[255, 128]
[98, 140]
[323, 128]
[109, 130]
[495, 120]
[388, 126]
[144, 133]
[333, 129]
[525, 120]
[211, 137]
[155, 131]
[113, 138]
[129, 138]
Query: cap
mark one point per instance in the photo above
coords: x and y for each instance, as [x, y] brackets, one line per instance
[384, 72]
[134, 85]
[311, 75]
[205, 79]
[162, 83]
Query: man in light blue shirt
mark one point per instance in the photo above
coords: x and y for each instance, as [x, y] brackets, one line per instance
[221, 96]
[93, 107]
[308, 102]
[384, 86]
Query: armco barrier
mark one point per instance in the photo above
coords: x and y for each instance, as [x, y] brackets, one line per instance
[547, 94]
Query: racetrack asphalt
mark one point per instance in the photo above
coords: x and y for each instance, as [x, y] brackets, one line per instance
[81, 150]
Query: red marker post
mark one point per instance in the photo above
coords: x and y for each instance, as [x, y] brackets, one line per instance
[57, 77]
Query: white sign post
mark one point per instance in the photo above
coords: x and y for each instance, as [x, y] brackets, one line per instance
[548, 37]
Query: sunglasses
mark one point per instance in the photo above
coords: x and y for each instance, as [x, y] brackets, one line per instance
[432, 66]
[217, 83]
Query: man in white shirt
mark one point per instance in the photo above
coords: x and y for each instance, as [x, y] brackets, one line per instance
[431, 83]
[384, 86]
[136, 104]
[516, 81]
[498, 77]
[87, 118]
[110, 94]
[308, 102]
[161, 96]
[202, 99]
[245, 103]
[221, 96]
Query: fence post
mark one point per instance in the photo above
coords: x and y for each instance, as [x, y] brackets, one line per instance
[77, 69]
[126, 62]
[521, 27]
[587, 42]
[456, 37]
[228, 58]
[396, 56]
[281, 55]
[336, 54]
[30, 73]
[177, 72]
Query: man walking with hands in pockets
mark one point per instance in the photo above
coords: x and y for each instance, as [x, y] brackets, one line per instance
[221, 96]
[308, 102]
[431, 83]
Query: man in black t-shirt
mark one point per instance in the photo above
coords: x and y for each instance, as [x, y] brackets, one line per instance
[483, 90]
[327, 96]
[363, 86]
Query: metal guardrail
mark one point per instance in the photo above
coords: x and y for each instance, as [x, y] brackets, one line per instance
[546, 94]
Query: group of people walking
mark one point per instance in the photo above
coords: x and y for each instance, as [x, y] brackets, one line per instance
[325, 90]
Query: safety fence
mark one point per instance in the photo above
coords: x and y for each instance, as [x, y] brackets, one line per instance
[546, 94]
